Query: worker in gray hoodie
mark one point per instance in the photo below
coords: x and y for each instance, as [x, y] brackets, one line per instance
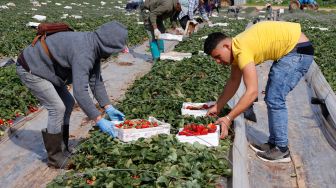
[154, 12]
[77, 56]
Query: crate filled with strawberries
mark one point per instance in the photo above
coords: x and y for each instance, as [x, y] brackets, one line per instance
[130, 130]
[204, 134]
[196, 109]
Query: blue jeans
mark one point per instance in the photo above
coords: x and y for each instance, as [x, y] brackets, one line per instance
[284, 75]
[57, 100]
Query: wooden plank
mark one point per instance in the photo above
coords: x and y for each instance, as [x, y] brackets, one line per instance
[299, 171]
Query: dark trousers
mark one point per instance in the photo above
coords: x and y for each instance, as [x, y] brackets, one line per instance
[183, 21]
[132, 6]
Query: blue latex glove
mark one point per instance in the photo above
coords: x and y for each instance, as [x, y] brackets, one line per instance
[114, 114]
[106, 126]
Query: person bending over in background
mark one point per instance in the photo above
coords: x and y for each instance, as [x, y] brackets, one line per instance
[188, 9]
[78, 57]
[154, 12]
[292, 53]
[214, 4]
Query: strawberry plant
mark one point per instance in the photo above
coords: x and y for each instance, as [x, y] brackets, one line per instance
[160, 161]
[15, 98]
[162, 92]
[15, 35]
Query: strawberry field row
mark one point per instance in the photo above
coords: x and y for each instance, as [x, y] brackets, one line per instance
[15, 35]
[16, 100]
[160, 161]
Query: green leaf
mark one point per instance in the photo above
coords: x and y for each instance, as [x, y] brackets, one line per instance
[128, 163]
[163, 180]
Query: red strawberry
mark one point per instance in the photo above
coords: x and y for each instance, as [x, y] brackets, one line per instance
[90, 182]
[212, 128]
[204, 131]
[135, 177]
[182, 133]
[143, 126]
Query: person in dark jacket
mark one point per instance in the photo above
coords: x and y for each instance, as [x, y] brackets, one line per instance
[77, 56]
[154, 12]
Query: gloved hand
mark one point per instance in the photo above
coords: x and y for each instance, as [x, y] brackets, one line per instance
[157, 33]
[114, 114]
[194, 21]
[106, 126]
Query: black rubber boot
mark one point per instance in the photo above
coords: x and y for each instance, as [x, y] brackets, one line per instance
[53, 144]
[65, 130]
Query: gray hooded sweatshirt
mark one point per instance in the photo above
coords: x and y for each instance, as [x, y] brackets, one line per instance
[78, 55]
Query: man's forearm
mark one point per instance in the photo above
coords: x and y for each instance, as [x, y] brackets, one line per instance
[229, 90]
[245, 101]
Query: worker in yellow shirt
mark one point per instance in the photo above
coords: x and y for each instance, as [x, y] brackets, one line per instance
[292, 53]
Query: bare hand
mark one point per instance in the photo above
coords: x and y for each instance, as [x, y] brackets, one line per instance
[213, 111]
[225, 125]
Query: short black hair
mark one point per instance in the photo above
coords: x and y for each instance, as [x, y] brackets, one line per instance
[212, 41]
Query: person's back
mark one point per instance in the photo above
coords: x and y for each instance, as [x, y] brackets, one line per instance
[69, 48]
[263, 41]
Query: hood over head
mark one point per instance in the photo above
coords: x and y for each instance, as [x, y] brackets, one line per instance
[112, 37]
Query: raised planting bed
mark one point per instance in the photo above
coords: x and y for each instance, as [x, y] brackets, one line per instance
[160, 160]
[81, 16]
[16, 99]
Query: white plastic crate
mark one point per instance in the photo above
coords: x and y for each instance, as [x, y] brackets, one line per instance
[168, 36]
[210, 140]
[127, 135]
[195, 113]
[175, 56]
[39, 17]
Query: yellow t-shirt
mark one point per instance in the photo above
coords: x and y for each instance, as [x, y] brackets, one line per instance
[268, 40]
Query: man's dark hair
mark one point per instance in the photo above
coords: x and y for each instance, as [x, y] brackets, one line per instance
[212, 41]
